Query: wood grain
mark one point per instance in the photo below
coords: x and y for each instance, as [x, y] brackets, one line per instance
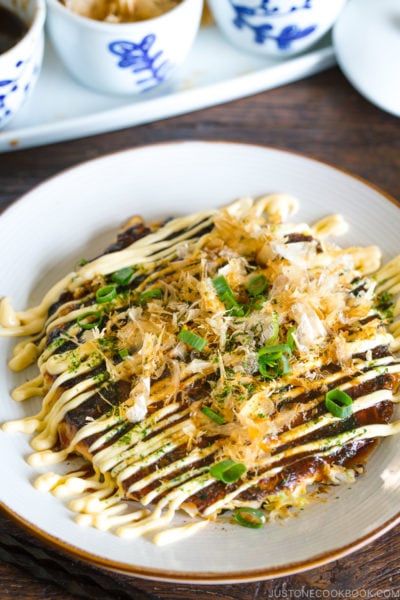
[322, 117]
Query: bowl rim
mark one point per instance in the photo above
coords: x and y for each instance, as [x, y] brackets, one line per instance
[108, 27]
[36, 24]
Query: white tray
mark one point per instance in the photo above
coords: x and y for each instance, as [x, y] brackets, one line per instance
[215, 72]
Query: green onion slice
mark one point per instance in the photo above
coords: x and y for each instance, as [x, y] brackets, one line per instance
[80, 263]
[290, 339]
[90, 319]
[339, 403]
[257, 285]
[273, 361]
[249, 517]
[222, 287]
[242, 310]
[106, 294]
[258, 302]
[275, 328]
[225, 294]
[124, 352]
[227, 471]
[273, 370]
[123, 276]
[211, 414]
[284, 365]
[277, 349]
[192, 339]
[154, 293]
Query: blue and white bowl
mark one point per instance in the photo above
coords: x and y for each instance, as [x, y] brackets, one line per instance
[123, 58]
[20, 65]
[278, 28]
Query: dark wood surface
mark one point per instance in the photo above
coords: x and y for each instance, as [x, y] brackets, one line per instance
[322, 117]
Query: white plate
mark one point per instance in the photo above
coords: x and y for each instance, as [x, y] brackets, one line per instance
[367, 44]
[75, 215]
[62, 109]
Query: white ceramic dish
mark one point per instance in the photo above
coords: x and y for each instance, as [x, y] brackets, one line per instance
[367, 43]
[75, 215]
[123, 58]
[214, 72]
[20, 65]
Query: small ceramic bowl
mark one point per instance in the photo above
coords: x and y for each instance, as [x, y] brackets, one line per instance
[278, 28]
[123, 58]
[20, 65]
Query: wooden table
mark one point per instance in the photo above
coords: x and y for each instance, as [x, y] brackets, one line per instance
[324, 118]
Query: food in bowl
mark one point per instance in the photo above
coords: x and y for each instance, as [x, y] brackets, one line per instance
[120, 11]
[228, 360]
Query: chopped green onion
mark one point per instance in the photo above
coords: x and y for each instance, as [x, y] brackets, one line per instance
[272, 370]
[80, 263]
[290, 339]
[258, 302]
[222, 287]
[257, 285]
[227, 471]
[249, 517]
[275, 328]
[124, 352]
[242, 310]
[89, 319]
[154, 293]
[192, 339]
[284, 366]
[106, 294]
[273, 362]
[123, 276]
[225, 294]
[211, 414]
[339, 403]
[277, 349]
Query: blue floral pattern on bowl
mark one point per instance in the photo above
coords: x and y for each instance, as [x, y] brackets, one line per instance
[251, 16]
[14, 86]
[143, 59]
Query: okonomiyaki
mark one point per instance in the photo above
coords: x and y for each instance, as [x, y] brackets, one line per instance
[229, 362]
